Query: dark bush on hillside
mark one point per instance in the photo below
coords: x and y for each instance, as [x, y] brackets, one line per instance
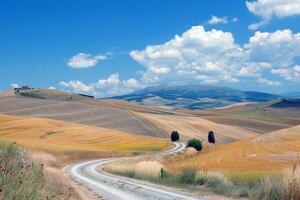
[195, 143]
[174, 136]
[211, 137]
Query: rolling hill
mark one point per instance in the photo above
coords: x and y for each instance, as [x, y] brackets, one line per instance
[87, 112]
[231, 123]
[51, 94]
[267, 152]
[194, 96]
[287, 103]
[76, 140]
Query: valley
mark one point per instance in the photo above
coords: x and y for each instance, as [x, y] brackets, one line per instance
[61, 128]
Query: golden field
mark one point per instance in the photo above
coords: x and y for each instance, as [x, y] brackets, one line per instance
[269, 152]
[59, 136]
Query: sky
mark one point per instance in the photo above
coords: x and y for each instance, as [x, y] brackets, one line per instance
[113, 47]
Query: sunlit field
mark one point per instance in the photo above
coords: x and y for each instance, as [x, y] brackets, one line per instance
[59, 136]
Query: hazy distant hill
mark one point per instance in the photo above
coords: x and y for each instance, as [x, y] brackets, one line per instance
[287, 103]
[194, 96]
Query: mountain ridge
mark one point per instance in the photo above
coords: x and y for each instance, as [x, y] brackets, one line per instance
[194, 96]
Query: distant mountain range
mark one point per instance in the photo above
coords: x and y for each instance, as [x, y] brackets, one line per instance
[287, 103]
[194, 96]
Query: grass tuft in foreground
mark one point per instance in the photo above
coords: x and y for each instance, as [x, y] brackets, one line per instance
[279, 186]
[21, 178]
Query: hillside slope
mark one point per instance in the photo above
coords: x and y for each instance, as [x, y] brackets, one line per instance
[59, 136]
[271, 151]
[287, 103]
[79, 112]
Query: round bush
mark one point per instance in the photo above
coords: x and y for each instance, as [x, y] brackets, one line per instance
[174, 136]
[195, 143]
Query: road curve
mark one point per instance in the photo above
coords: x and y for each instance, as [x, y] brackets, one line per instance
[113, 187]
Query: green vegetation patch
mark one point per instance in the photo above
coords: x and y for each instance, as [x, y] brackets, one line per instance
[256, 185]
[21, 178]
[53, 132]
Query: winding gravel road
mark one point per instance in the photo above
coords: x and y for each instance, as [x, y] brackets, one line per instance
[113, 187]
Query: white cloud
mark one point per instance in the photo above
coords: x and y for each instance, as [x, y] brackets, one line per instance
[82, 60]
[278, 48]
[290, 74]
[235, 19]
[112, 85]
[267, 9]
[111, 80]
[207, 57]
[196, 53]
[51, 88]
[217, 20]
[268, 82]
[213, 56]
[15, 85]
[77, 86]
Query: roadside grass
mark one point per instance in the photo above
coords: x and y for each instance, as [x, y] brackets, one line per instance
[21, 178]
[284, 185]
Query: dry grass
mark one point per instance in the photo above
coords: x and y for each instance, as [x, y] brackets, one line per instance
[269, 152]
[284, 185]
[89, 112]
[291, 182]
[22, 178]
[138, 169]
[197, 127]
[70, 137]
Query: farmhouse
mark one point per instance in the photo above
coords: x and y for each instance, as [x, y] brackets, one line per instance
[23, 88]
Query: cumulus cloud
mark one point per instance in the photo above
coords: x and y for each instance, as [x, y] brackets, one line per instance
[112, 85]
[266, 9]
[83, 60]
[213, 56]
[77, 86]
[207, 57]
[196, 54]
[217, 20]
[268, 82]
[290, 74]
[15, 85]
[278, 48]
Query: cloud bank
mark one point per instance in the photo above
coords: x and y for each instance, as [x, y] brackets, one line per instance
[267, 9]
[112, 85]
[207, 57]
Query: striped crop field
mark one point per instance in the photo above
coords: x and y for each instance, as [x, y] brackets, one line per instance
[268, 152]
[59, 136]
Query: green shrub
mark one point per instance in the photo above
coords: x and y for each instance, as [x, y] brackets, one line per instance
[20, 178]
[195, 143]
[187, 175]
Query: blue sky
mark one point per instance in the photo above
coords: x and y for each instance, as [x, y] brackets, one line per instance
[112, 47]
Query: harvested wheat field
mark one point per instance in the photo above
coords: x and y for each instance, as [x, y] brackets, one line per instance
[269, 152]
[191, 126]
[89, 112]
[58, 136]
